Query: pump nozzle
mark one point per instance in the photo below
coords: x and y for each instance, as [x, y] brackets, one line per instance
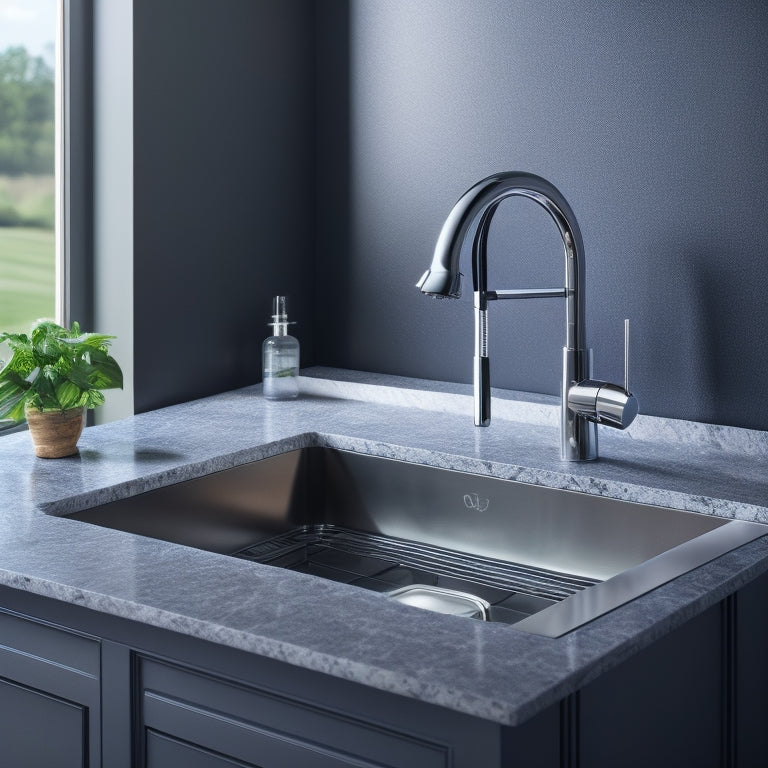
[279, 317]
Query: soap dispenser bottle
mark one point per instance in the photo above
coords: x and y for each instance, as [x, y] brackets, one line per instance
[280, 357]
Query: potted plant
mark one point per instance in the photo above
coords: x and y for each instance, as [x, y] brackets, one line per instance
[53, 376]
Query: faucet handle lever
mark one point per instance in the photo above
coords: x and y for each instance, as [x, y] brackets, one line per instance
[603, 402]
[626, 355]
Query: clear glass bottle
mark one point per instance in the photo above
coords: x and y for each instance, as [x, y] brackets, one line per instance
[280, 357]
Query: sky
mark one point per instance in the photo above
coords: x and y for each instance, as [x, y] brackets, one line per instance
[31, 23]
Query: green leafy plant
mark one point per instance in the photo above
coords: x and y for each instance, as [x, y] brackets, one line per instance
[54, 369]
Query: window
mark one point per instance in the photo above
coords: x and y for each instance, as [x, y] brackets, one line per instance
[57, 38]
[28, 194]
[45, 163]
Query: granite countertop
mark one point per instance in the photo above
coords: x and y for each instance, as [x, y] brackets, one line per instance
[489, 670]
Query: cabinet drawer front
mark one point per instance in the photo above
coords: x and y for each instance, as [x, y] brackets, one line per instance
[50, 659]
[63, 648]
[268, 730]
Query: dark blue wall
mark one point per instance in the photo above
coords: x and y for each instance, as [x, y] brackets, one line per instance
[315, 148]
[223, 188]
[651, 118]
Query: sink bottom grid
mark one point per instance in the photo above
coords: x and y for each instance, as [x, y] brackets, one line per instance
[384, 563]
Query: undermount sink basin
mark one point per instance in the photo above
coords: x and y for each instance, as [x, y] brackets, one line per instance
[545, 560]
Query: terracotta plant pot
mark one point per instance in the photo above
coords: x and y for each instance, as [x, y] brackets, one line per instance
[55, 433]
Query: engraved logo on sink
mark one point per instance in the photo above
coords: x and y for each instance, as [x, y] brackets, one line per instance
[474, 501]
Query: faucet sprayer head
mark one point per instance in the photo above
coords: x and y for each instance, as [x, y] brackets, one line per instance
[443, 278]
[440, 283]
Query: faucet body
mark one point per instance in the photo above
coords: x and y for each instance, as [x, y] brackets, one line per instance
[585, 402]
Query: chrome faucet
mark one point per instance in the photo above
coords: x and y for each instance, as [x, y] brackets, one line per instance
[585, 402]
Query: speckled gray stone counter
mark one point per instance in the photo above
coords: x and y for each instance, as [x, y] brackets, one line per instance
[489, 670]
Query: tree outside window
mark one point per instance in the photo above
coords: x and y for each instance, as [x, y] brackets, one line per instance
[27, 163]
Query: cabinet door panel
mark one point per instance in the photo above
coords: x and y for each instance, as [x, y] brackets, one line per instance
[165, 752]
[663, 707]
[40, 731]
[751, 703]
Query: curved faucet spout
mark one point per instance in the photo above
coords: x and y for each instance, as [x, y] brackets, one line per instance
[471, 216]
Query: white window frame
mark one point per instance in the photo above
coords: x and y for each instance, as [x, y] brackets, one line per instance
[72, 106]
[74, 147]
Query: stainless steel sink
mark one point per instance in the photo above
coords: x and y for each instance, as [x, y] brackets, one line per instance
[542, 559]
